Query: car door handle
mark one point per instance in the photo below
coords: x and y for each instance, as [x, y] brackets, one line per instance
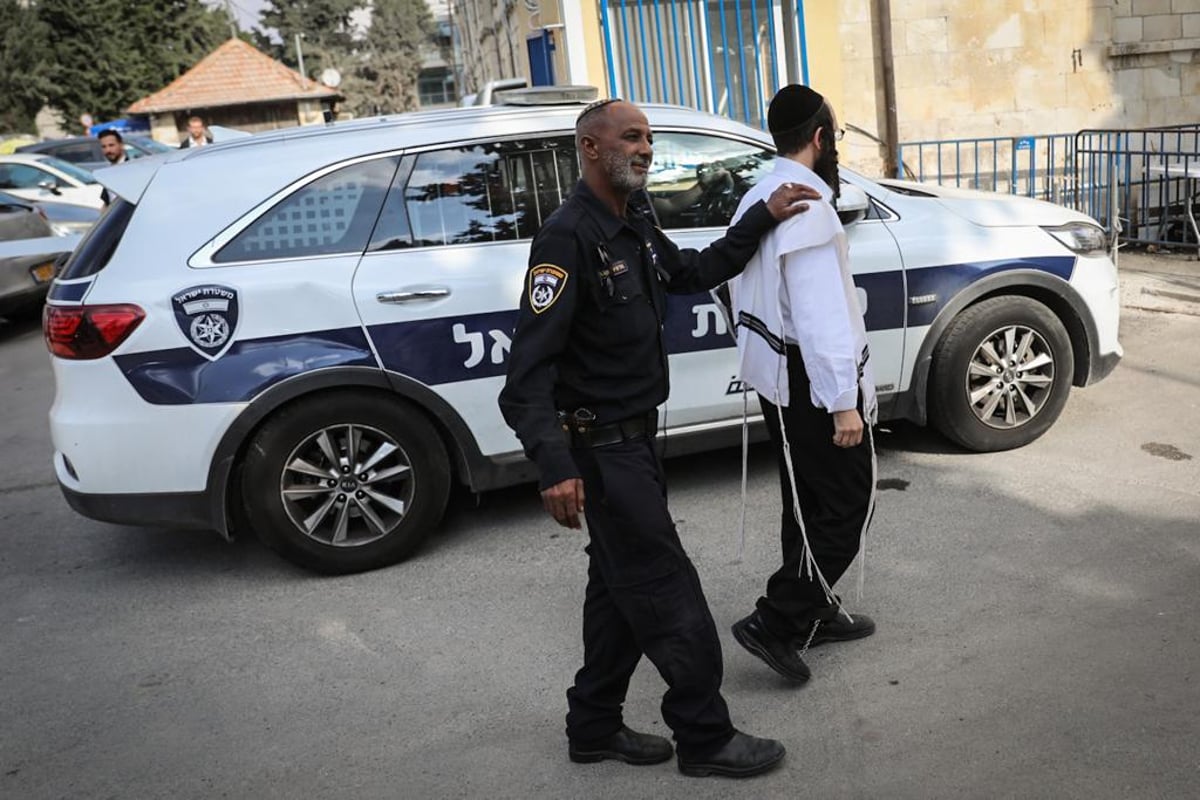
[413, 294]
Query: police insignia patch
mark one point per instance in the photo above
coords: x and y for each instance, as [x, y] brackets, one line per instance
[546, 283]
[207, 316]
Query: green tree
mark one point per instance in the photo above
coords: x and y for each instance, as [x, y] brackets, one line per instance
[324, 25]
[102, 55]
[401, 33]
[23, 73]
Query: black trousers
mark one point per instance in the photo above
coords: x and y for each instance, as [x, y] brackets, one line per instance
[643, 597]
[834, 487]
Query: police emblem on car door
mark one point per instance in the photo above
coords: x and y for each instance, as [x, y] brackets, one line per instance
[207, 316]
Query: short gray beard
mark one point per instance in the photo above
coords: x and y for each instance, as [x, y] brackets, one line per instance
[621, 174]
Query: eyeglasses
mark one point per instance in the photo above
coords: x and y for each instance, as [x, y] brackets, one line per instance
[839, 134]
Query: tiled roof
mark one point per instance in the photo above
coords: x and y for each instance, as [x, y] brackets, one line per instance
[234, 74]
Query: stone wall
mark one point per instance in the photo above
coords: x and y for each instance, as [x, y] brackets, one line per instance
[969, 69]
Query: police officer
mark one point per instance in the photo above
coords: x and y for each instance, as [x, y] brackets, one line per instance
[587, 371]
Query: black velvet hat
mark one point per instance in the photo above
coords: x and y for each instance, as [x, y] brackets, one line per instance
[791, 107]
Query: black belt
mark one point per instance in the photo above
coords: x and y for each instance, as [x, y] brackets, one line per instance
[588, 434]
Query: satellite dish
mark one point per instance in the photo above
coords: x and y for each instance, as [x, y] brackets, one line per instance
[331, 77]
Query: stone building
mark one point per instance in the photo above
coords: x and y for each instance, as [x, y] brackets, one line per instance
[959, 69]
[236, 86]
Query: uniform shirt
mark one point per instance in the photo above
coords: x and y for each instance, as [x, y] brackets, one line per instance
[589, 330]
[798, 289]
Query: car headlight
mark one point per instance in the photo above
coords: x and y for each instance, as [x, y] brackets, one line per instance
[70, 228]
[1080, 237]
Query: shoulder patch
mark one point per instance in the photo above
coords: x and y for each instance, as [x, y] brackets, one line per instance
[546, 283]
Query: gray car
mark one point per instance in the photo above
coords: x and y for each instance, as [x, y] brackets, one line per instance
[24, 278]
[84, 151]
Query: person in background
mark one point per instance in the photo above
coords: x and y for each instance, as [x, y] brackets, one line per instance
[113, 147]
[802, 345]
[198, 135]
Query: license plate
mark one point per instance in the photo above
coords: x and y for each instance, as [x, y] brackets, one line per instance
[43, 273]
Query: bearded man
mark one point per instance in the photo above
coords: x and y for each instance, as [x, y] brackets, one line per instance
[802, 346]
[586, 373]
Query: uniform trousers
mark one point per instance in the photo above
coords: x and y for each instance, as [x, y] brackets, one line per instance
[834, 485]
[643, 597]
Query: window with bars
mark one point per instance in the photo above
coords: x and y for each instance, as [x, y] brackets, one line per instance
[715, 55]
[486, 192]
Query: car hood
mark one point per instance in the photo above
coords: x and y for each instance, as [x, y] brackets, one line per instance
[989, 209]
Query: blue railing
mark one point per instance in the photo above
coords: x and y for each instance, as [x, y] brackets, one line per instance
[1033, 166]
[721, 56]
[1139, 184]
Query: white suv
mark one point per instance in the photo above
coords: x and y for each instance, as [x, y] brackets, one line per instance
[311, 325]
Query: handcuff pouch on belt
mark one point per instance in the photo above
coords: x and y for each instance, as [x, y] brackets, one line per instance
[582, 430]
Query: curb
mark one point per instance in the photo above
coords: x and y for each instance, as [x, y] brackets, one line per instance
[1163, 292]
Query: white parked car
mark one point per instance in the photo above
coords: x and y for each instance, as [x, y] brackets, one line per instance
[45, 178]
[311, 326]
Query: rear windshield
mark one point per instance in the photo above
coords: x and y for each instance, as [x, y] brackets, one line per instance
[97, 246]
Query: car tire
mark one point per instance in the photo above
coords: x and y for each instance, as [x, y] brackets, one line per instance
[344, 483]
[1001, 374]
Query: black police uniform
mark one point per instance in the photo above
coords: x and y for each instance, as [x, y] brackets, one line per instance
[586, 374]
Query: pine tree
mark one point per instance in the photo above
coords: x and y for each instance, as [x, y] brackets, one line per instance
[23, 71]
[401, 32]
[102, 55]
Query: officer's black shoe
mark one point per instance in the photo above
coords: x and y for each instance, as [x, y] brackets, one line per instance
[743, 756]
[841, 629]
[779, 654]
[624, 745]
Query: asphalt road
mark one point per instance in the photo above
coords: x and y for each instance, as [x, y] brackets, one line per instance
[1037, 614]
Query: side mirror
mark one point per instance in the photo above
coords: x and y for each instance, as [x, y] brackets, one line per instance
[853, 204]
[49, 186]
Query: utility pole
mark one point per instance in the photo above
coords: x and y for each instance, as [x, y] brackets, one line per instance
[233, 26]
[882, 13]
[300, 58]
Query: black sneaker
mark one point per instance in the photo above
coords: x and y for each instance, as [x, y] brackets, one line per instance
[779, 654]
[624, 745]
[743, 756]
[840, 629]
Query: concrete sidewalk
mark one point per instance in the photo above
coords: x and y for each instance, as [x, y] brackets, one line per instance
[1166, 282]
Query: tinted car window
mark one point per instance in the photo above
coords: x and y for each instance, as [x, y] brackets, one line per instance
[77, 152]
[491, 192]
[333, 214]
[730, 168]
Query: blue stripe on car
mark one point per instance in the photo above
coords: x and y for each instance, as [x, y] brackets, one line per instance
[948, 280]
[68, 292]
[469, 347]
[182, 376]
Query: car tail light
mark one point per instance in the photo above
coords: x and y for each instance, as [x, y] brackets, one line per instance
[86, 332]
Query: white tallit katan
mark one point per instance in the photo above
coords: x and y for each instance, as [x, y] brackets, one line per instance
[798, 289]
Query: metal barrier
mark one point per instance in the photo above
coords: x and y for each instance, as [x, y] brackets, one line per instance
[1141, 185]
[1033, 166]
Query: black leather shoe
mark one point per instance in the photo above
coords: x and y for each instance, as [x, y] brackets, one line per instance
[779, 654]
[743, 756]
[841, 629]
[624, 745]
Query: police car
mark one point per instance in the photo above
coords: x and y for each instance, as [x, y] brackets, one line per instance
[303, 333]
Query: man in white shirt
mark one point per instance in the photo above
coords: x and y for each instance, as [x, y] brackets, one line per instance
[802, 346]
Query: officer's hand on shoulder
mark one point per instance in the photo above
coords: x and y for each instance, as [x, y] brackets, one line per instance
[788, 200]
